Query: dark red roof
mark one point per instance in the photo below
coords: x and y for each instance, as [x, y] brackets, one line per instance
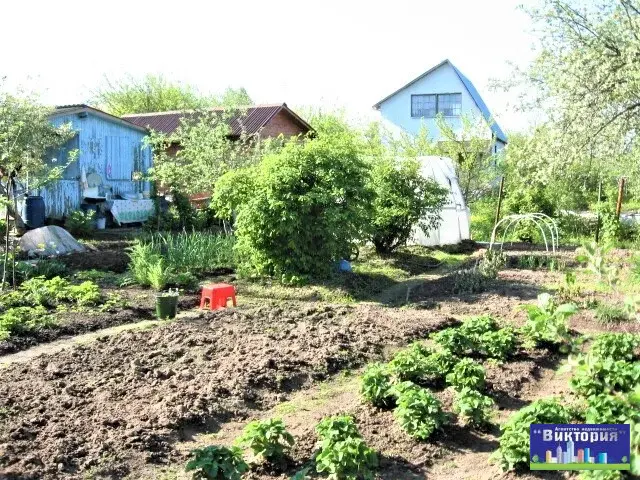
[250, 119]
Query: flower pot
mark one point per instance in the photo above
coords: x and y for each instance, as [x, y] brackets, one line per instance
[166, 305]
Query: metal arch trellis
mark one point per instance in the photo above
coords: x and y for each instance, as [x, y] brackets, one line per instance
[545, 224]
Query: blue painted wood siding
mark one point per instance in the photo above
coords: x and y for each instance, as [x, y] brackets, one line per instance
[108, 148]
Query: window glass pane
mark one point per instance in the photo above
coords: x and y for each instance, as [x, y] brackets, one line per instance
[423, 105]
[450, 105]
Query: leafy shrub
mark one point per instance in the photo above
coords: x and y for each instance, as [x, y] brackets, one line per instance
[158, 275]
[410, 363]
[453, 340]
[343, 453]
[499, 344]
[403, 198]
[473, 407]
[475, 327]
[607, 313]
[309, 207]
[468, 280]
[267, 439]
[47, 268]
[546, 322]
[611, 409]
[419, 413]
[514, 441]
[618, 346]
[19, 319]
[594, 375]
[80, 223]
[595, 258]
[84, 295]
[217, 463]
[491, 263]
[466, 373]
[375, 386]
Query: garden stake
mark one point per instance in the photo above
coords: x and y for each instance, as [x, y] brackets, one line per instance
[620, 194]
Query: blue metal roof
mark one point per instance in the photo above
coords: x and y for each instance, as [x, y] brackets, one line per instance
[495, 128]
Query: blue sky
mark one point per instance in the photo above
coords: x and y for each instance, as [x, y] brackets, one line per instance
[331, 53]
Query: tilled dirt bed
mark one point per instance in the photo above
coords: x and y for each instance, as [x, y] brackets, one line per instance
[112, 406]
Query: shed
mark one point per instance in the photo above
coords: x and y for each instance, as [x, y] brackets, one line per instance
[109, 147]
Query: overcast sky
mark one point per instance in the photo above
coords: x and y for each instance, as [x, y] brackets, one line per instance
[327, 53]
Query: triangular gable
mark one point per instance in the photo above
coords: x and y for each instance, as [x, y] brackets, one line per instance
[495, 128]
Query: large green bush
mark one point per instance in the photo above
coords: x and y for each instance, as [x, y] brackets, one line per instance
[403, 199]
[309, 206]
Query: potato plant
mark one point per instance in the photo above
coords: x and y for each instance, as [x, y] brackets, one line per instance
[596, 375]
[217, 463]
[514, 441]
[615, 345]
[343, 454]
[419, 413]
[375, 386]
[466, 373]
[547, 322]
[473, 407]
[410, 364]
[267, 439]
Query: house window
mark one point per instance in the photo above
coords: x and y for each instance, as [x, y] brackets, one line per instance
[447, 104]
[423, 105]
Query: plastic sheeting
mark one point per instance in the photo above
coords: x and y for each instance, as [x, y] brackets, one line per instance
[455, 214]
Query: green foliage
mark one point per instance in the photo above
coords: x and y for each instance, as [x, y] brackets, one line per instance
[607, 313]
[605, 408]
[473, 407]
[309, 207]
[267, 439]
[47, 268]
[546, 321]
[479, 335]
[466, 373]
[181, 215]
[419, 413]
[491, 263]
[217, 463]
[618, 346]
[475, 279]
[171, 259]
[16, 320]
[595, 258]
[343, 453]
[156, 93]
[375, 385]
[483, 213]
[403, 198]
[514, 441]
[233, 189]
[537, 262]
[80, 223]
[410, 364]
[499, 344]
[453, 340]
[595, 375]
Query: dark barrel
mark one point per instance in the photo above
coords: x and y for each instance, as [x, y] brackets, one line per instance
[34, 212]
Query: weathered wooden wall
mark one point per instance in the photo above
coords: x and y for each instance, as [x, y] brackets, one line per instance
[108, 148]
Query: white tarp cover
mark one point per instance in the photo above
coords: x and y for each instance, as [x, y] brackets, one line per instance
[455, 214]
[49, 241]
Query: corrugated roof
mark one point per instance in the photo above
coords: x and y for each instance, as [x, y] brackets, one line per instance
[81, 107]
[486, 113]
[249, 119]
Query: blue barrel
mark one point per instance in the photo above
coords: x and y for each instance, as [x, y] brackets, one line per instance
[34, 212]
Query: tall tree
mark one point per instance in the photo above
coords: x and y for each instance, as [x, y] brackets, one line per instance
[25, 135]
[155, 93]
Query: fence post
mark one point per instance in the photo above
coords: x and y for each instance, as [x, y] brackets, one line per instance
[499, 202]
[598, 217]
[620, 194]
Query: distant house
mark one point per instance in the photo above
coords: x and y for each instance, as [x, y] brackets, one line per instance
[264, 120]
[443, 90]
[111, 153]
[257, 120]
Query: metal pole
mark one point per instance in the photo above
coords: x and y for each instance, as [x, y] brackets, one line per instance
[499, 202]
[598, 217]
[620, 194]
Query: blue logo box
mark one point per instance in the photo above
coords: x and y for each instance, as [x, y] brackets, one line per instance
[580, 447]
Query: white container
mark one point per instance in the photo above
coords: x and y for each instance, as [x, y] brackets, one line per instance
[101, 223]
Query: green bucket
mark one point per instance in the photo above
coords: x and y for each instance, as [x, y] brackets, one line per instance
[166, 306]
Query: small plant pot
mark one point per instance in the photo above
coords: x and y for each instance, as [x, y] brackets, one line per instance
[166, 306]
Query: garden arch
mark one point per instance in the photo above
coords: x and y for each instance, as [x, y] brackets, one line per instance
[545, 224]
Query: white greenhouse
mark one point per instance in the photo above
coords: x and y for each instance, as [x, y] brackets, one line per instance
[456, 216]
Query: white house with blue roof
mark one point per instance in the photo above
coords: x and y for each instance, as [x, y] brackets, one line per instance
[443, 90]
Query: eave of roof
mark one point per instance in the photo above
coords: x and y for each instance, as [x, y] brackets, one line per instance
[495, 128]
[81, 107]
[252, 119]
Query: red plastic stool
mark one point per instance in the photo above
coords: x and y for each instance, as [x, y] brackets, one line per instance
[218, 295]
